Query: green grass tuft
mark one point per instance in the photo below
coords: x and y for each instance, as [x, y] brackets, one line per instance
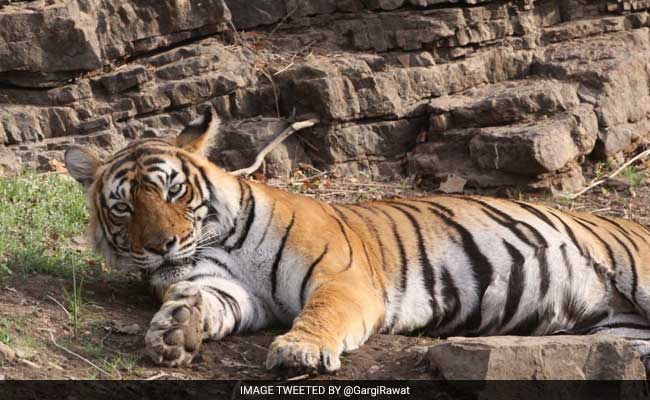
[634, 176]
[39, 214]
[5, 336]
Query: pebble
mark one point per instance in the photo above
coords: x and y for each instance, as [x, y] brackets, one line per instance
[6, 353]
[132, 329]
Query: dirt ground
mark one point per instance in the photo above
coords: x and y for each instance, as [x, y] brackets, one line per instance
[121, 301]
[118, 307]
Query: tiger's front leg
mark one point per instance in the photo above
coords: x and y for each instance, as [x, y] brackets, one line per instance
[339, 316]
[208, 308]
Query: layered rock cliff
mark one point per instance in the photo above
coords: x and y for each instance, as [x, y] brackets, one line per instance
[517, 92]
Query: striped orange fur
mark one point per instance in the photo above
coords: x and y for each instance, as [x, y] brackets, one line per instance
[229, 256]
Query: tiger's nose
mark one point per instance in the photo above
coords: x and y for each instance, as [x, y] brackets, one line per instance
[160, 244]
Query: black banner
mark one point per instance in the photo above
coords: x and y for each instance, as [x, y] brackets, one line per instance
[325, 390]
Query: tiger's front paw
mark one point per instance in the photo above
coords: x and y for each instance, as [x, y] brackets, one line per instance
[176, 331]
[303, 352]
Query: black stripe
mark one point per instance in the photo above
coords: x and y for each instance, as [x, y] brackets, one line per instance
[589, 321]
[633, 269]
[630, 325]
[268, 224]
[278, 256]
[538, 213]
[608, 248]
[581, 219]
[572, 306]
[307, 276]
[567, 262]
[232, 303]
[212, 214]
[382, 251]
[200, 276]
[481, 267]
[155, 169]
[427, 268]
[403, 262]
[345, 235]
[101, 209]
[440, 207]
[204, 176]
[451, 297]
[174, 174]
[516, 283]
[117, 164]
[250, 209]
[540, 246]
[571, 233]
[147, 180]
[403, 204]
[527, 326]
[371, 226]
[202, 204]
[620, 228]
[122, 173]
[218, 263]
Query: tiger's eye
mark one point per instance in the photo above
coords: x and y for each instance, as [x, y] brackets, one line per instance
[121, 208]
[175, 189]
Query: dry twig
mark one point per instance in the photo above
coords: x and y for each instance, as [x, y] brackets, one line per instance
[298, 378]
[618, 171]
[82, 358]
[296, 126]
[286, 17]
[157, 376]
[60, 305]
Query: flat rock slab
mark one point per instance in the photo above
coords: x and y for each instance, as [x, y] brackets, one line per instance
[553, 357]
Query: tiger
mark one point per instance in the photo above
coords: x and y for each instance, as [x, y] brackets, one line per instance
[229, 255]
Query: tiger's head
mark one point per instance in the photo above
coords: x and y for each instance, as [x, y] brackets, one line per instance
[155, 204]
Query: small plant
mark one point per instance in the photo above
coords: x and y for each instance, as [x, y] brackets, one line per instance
[5, 336]
[634, 176]
[75, 302]
[121, 363]
[601, 168]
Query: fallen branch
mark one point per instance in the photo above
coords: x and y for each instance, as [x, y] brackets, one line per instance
[60, 305]
[601, 181]
[296, 126]
[82, 358]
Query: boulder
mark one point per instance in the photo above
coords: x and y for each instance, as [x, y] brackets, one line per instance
[601, 357]
[498, 93]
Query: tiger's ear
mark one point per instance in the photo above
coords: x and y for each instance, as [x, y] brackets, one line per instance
[199, 134]
[82, 164]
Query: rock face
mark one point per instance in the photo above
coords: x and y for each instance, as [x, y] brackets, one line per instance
[497, 92]
[601, 357]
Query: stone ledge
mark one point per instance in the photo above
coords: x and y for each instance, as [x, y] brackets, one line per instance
[601, 357]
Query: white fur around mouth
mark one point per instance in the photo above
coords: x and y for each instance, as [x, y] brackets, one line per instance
[171, 271]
